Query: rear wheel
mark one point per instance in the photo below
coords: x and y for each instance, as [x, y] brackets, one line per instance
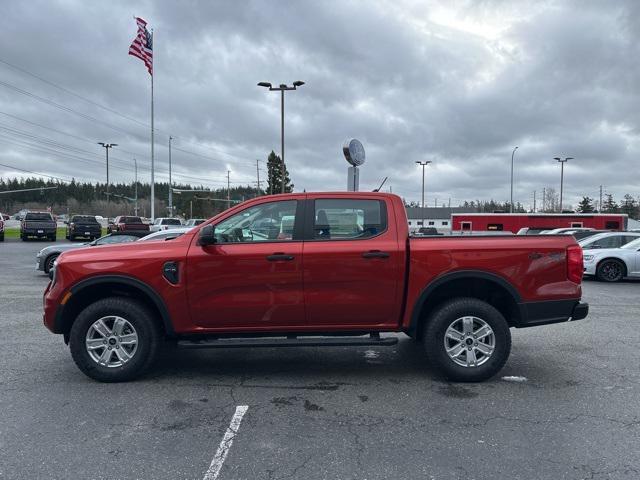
[114, 340]
[2, 237]
[610, 271]
[467, 339]
[23, 237]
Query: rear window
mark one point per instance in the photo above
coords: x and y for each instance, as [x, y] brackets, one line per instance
[131, 220]
[84, 219]
[171, 221]
[38, 216]
[341, 219]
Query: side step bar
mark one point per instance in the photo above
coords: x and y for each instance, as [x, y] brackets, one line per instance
[289, 341]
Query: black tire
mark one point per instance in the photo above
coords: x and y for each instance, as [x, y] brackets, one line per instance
[72, 238]
[2, 238]
[149, 339]
[611, 270]
[23, 237]
[52, 238]
[444, 316]
[48, 263]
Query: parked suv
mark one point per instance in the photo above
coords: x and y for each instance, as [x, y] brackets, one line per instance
[84, 226]
[39, 225]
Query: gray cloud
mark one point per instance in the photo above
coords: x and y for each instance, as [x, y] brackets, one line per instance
[457, 83]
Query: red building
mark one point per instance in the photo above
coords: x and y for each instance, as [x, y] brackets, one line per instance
[512, 222]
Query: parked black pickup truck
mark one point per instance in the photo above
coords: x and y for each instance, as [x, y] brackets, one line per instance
[38, 224]
[85, 226]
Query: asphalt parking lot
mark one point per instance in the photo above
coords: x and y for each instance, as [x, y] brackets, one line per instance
[566, 406]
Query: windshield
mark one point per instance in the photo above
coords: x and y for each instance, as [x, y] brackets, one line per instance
[38, 216]
[107, 239]
[171, 221]
[84, 219]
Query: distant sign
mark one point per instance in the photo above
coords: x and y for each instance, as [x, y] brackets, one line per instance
[353, 152]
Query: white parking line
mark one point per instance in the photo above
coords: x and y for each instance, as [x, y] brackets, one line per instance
[225, 444]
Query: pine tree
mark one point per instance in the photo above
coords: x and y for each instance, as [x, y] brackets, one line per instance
[629, 206]
[610, 205]
[274, 173]
[586, 205]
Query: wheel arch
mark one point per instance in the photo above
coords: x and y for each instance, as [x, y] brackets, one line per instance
[46, 260]
[95, 288]
[478, 284]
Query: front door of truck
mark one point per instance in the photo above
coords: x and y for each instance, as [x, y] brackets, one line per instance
[251, 278]
[352, 264]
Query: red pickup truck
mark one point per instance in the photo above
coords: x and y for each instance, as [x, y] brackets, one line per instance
[312, 269]
[126, 223]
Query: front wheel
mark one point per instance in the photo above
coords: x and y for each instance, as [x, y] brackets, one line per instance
[114, 340]
[467, 339]
[610, 271]
[48, 264]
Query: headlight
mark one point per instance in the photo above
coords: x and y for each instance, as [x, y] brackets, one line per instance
[588, 258]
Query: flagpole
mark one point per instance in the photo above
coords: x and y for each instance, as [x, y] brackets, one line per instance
[153, 195]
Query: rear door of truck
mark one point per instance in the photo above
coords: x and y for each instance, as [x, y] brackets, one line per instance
[353, 262]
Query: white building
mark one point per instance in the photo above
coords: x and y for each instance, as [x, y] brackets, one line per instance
[434, 217]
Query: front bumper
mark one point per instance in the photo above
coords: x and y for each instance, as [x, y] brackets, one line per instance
[533, 314]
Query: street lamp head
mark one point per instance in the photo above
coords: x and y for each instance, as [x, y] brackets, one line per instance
[568, 158]
[264, 84]
[557, 158]
[283, 86]
[298, 83]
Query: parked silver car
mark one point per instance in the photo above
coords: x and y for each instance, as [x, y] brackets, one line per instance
[46, 257]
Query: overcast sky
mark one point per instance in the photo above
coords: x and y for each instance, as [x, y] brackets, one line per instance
[457, 83]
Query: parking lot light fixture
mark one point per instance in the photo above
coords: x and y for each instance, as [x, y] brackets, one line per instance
[107, 146]
[282, 88]
[562, 162]
[424, 164]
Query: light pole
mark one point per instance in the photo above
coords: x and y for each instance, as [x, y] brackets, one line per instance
[282, 88]
[107, 146]
[170, 184]
[424, 164]
[135, 166]
[511, 204]
[562, 162]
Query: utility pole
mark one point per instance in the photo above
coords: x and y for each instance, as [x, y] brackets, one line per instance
[435, 202]
[423, 164]
[282, 88]
[228, 189]
[544, 199]
[135, 166]
[258, 174]
[107, 146]
[170, 183]
[534, 201]
[600, 204]
[511, 204]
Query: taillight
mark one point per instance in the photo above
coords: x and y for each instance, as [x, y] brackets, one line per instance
[575, 266]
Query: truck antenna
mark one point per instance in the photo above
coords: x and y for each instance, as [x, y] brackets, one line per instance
[378, 189]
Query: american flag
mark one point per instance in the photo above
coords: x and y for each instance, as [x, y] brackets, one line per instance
[142, 45]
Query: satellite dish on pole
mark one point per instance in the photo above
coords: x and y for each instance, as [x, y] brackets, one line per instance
[353, 152]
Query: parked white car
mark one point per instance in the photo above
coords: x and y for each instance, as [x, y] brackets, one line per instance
[613, 264]
[564, 231]
[608, 240]
[164, 223]
[166, 234]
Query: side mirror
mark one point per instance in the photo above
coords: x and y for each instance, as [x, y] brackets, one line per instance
[207, 235]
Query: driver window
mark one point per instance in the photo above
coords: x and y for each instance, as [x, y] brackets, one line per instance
[269, 222]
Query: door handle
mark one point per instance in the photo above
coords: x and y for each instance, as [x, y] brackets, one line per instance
[280, 257]
[375, 254]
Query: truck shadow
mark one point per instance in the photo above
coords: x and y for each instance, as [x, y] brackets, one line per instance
[402, 362]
